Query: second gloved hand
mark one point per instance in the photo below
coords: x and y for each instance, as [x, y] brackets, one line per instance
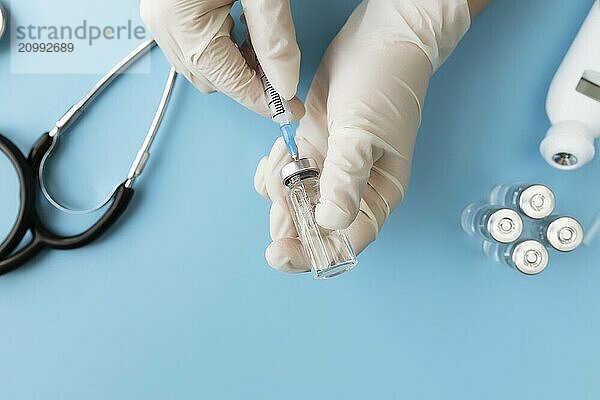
[362, 115]
[195, 37]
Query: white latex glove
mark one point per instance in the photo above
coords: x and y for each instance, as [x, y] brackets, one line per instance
[195, 37]
[362, 115]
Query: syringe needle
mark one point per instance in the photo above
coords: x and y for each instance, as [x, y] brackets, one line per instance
[288, 134]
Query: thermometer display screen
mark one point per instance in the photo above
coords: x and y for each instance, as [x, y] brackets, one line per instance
[589, 84]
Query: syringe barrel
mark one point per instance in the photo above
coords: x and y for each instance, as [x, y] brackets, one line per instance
[280, 109]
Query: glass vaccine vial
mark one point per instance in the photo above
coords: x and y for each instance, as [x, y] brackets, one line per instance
[492, 223]
[563, 234]
[534, 201]
[529, 257]
[329, 251]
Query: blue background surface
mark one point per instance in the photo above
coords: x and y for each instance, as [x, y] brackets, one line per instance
[178, 302]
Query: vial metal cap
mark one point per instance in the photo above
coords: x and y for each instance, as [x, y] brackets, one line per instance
[297, 167]
[537, 201]
[530, 257]
[565, 234]
[505, 225]
[3, 20]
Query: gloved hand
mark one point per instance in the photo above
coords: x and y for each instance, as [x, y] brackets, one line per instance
[362, 115]
[195, 37]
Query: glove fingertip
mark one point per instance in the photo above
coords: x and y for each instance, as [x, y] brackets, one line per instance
[260, 184]
[287, 256]
[330, 216]
[298, 109]
[286, 90]
[283, 69]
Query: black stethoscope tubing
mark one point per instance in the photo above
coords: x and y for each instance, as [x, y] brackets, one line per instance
[30, 173]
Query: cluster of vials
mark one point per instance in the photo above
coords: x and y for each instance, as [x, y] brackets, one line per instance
[518, 227]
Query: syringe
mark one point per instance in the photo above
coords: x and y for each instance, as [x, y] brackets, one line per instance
[281, 112]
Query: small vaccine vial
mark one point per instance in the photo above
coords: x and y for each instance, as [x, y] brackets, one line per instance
[329, 251]
[493, 223]
[564, 234]
[529, 257]
[534, 201]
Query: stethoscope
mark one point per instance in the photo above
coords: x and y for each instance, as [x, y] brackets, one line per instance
[30, 172]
